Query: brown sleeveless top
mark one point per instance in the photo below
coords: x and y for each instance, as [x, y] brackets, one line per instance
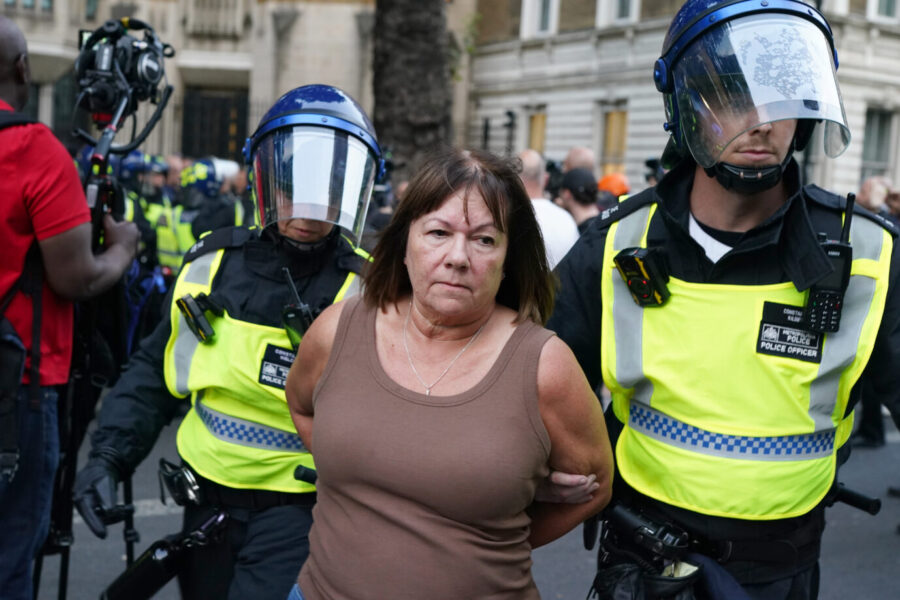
[423, 497]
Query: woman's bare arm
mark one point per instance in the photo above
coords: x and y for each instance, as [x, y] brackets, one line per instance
[312, 356]
[579, 443]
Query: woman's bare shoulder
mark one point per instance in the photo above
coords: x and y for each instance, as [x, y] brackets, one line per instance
[323, 329]
[560, 378]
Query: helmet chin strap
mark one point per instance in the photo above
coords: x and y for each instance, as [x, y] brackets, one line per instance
[749, 180]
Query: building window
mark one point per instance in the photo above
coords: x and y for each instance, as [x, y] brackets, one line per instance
[612, 12]
[47, 5]
[540, 18]
[27, 3]
[613, 137]
[537, 130]
[9, 2]
[887, 8]
[883, 9]
[876, 158]
[215, 122]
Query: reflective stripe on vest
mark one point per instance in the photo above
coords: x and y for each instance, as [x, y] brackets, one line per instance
[671, 431]
[130, 199]
[730, 430]
[195, 278]
[246, 433]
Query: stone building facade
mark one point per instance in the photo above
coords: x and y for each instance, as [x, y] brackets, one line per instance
[233, 59]
[552, 74]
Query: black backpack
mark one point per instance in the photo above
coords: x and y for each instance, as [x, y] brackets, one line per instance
[12, 350]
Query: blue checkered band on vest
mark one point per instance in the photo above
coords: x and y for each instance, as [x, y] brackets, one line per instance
[247, 433]
[673, 432]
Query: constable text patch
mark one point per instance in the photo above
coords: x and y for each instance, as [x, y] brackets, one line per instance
[275, 365]
[781, 333]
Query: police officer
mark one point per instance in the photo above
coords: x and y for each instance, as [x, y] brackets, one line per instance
[244, 293]
[221, 207]
[738, 329]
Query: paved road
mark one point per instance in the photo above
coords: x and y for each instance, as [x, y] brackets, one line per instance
[861, 556]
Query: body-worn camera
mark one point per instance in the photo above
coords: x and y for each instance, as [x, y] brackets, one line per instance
[194, 308]
[644, 272]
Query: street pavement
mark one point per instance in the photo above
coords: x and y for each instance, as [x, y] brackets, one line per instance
[860, 557]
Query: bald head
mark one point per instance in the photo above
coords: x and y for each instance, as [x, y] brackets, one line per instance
[873, 193]
[579, 157]
[14, 73]
[534, 172]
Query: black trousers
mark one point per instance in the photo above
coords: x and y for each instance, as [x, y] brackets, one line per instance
[802, 586]
[259, 556]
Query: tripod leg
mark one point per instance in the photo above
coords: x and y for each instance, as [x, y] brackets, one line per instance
[63, 573]
[36, 574]
[129, 532]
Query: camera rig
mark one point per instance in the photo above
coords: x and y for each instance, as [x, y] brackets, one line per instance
[115, 73]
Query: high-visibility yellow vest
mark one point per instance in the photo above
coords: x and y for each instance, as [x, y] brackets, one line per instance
[238, 431]
[164, 221]
[183, 230]
[725, 411]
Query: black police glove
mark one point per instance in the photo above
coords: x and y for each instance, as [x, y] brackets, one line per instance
[95, 493]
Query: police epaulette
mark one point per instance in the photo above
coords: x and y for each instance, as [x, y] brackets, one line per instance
[625, 208]
[227, 237]
[838, 203]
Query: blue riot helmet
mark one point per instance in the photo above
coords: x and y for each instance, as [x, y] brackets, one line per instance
[154, 172]
[314, 156]
[128, 168]
[728, 66]
[156, 164]
[199, 183]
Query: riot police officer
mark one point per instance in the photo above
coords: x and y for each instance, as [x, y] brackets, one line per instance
[745, 314]
[235, 315]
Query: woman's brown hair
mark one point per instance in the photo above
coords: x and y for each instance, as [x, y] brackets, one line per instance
[528, 285]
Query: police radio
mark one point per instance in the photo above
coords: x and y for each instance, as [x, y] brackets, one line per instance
[822, 312]
[296, 317]
[644, 272]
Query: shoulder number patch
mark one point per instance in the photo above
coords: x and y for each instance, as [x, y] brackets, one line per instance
[275, 365]
[781, 333]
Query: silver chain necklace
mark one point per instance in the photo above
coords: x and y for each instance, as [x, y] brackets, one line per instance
[444, 372]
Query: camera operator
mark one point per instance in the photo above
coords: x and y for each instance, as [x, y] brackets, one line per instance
[44, 215]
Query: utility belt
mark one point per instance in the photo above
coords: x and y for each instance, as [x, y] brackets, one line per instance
[799, 547]
[186, 486]
[641, 552]
[660, 535]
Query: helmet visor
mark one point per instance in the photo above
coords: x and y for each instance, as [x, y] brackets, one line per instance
[317, 173]
[755, 70]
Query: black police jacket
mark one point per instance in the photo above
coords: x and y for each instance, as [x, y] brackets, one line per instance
[251, 285]
[783, 248]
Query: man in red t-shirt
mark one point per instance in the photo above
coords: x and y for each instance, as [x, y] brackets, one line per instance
[41, 200]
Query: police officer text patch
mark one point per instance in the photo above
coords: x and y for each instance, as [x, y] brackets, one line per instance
[275, 365]
[781, 333]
